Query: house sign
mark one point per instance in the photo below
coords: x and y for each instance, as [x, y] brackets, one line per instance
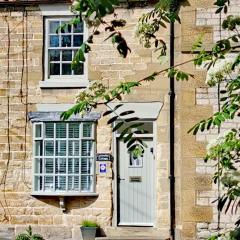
[104, 157]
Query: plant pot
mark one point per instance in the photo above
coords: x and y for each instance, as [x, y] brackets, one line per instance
[88, 233]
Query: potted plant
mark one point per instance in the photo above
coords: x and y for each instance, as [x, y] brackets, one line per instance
[88, 229]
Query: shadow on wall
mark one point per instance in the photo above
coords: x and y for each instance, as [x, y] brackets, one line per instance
[71, 203]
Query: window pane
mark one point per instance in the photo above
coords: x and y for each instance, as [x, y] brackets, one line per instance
[61, 148]
[78, 28]
[60, 130]
[53, 26]
[49, 130]
[77, 40]
[54, 55]
[147, 127]
[61, 165]
[67, 55]
[60, 182]
[66, 41]
[68, 27]
[38, 130]
[54, 69]
[79, 69]
[54, 41]
[86, 166]
[87, 148]
[73, 130]
[73, 183]
[87, 129]
[73, 148]
[48, 183]
[38, 183]
[38, 165]
[73, 165]
[49, 148]
[86, 183]
[49, 165]
[66, 69]
[38, 148]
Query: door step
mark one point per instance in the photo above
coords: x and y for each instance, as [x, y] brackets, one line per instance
[130, 238]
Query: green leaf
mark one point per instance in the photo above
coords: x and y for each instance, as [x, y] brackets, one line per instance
[113, 119]
[107, 112]
[118, 125]
[130, 142]
[196, 129]
[126, 113]
[133, 119]
[128, 137]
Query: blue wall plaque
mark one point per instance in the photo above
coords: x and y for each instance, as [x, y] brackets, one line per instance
[102, 167]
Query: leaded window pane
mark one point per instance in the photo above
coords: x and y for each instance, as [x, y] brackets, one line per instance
[49, 165]
[73, 130]
[86, 183]
[87, 148]
[49, 130]
[60, 130]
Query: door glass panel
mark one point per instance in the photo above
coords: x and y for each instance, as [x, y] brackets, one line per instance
[145, 128]
[135, 161]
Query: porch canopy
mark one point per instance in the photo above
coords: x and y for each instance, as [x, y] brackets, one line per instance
[142, 110]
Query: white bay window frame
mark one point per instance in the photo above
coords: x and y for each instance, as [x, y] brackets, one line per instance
[40, 174]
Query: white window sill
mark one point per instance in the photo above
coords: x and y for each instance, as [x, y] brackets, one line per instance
[64, 84]
[65, 194]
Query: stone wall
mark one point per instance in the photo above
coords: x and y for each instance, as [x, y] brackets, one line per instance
[20, 86]
[200, 213]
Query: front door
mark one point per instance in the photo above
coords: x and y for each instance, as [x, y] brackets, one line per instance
[136, 186]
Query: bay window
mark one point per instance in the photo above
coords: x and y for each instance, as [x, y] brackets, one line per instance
[64, 155]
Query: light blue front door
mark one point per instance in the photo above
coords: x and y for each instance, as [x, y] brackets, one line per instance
[136, 194]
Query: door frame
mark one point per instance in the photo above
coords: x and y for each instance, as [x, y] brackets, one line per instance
[116, 165]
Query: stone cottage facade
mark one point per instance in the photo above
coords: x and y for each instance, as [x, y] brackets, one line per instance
[56, 174]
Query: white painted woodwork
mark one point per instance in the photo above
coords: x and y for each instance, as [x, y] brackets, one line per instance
[136, 199]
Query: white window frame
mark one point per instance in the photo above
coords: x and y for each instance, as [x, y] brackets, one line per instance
[62, 81]
[64, 192]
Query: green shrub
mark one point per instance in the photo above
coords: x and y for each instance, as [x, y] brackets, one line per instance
[29, 235]
[89, 223]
